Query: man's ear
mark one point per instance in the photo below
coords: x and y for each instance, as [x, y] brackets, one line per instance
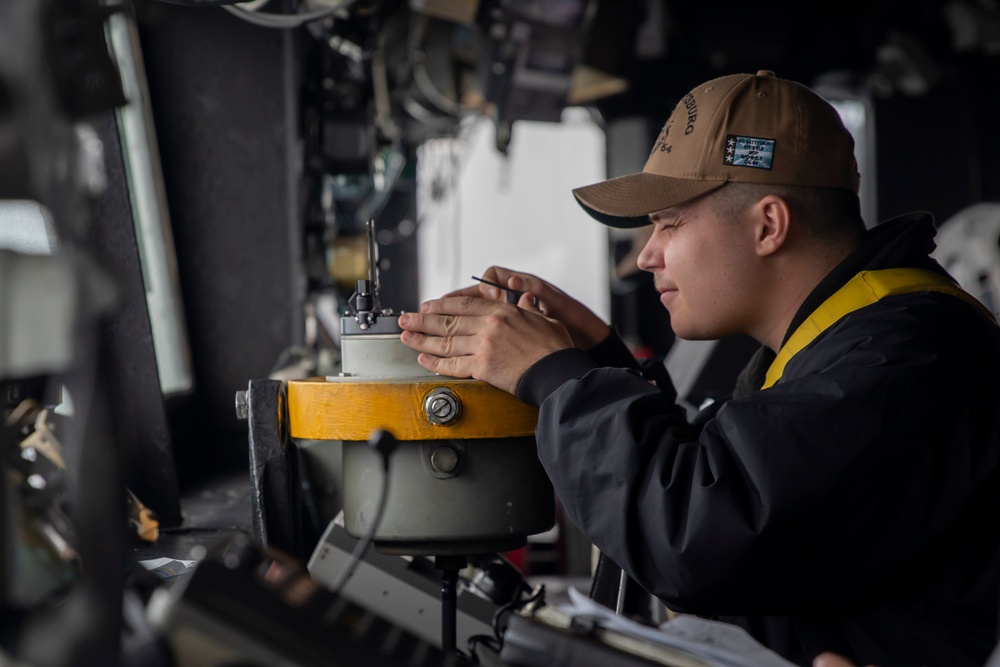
[772, 218]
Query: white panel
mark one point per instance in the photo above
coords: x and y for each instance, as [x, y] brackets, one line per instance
[516, 210]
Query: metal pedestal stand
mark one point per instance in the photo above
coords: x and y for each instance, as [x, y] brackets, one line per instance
[450, 567]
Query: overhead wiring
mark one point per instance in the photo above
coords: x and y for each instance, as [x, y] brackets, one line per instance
[207, 3]
[253, 5]
[284, 21]
[249, 11]
[380, 93]
[417, 59]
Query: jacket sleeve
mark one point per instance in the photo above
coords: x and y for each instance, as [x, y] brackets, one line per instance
[813, 493]
[552, 371]
[612, 352]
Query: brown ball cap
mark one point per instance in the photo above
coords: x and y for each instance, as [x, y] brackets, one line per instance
[742, 128]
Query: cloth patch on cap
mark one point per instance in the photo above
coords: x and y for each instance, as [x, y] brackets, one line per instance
[749, 152]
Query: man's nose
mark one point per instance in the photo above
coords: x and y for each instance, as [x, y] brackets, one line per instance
[647, 258]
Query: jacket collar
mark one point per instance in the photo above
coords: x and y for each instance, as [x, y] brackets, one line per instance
[905, 241]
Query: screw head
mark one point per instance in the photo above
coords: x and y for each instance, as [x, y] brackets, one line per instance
[442, 407]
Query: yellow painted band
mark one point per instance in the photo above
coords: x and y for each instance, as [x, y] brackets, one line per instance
[319, 409]
[862, 290]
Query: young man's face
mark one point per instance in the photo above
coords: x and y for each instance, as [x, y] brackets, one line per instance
[703, 266]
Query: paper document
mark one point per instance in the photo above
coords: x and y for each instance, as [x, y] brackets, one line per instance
[718, 644]
[168, 568]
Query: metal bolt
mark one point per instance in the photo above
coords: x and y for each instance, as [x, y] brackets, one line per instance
[242, 410]
[442, 406]
[444, 459]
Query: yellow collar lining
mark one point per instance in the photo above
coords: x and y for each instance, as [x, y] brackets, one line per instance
[863, 290]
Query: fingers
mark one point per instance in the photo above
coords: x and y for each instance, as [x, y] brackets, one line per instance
[461, 305]
[446, 327]
[437, 325]
[550, 299]
[458, 367]
[525, 282]
[831, 660]
[482, 289]
[487, 340]
[528, 301]
[440, 345]
[472, 290]
[517, 280]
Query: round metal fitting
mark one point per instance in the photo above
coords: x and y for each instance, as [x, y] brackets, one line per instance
[444, 459]
[442, 406]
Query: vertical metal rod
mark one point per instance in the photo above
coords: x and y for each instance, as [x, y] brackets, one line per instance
[449, 566]
[449, 610]
[622, 592]
[372, 257]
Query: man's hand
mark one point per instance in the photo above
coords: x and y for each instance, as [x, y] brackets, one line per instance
[585, 328]
[467, 336]
[832, 660]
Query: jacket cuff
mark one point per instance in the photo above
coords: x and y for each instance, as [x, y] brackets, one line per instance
[551, 372]
[612, 352]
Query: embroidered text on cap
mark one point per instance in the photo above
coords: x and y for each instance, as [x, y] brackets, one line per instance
[749, 152]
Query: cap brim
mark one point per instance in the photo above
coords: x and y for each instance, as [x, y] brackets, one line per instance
[626, 201]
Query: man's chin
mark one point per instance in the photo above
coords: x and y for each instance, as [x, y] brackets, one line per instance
[691, 333]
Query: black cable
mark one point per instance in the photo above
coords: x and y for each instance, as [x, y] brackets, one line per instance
[383, 442]
[490, 642]
[449, 608]
[495, 643]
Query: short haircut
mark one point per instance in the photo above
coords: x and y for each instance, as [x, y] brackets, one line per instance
[828, 214]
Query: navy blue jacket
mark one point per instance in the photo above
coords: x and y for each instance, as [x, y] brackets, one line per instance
[852, 507]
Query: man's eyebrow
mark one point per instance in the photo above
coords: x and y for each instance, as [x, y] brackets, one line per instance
[664, 216]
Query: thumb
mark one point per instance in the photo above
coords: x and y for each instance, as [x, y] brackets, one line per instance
[541, 291]
[524, 283]
[528, 302]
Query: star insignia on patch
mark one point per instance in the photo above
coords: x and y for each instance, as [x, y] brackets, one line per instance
[753, 152]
